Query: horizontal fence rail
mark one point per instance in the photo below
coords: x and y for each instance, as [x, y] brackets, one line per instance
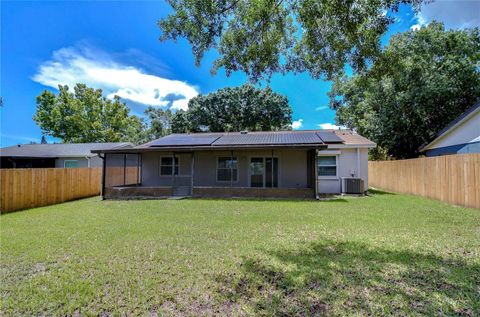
[34, 187]
[452, 178]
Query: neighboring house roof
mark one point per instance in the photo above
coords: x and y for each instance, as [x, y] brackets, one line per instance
[452, 125]
[270, 139]
[59, 149]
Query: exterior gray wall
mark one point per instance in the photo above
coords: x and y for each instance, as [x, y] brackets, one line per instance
[347, 166]
[292, 165]
[82, 161]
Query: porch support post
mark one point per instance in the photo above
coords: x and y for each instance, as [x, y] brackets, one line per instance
[104, 165]
[173, 171]
[124, 169]
[138, 168]
[271, 172]
[315, 174]
[192, 172]
[231, 168]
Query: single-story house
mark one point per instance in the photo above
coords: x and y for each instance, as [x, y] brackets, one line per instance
[462, 135]
[55, 155]
[289, 164]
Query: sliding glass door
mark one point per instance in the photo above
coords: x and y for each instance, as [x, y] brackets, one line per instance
[264, 172]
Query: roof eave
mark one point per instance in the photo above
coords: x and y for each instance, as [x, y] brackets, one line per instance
[208, 148]
[443, 133]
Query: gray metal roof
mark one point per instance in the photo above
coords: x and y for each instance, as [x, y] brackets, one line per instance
[269, 138]
[59, 150]
[243, 139]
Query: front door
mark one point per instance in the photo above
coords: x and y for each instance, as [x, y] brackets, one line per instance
[264, 172]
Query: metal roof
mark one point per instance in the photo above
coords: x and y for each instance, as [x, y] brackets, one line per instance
[251, 140]
[59, 149]
[269, 138]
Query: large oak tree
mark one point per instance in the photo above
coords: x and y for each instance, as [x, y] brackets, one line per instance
[422, 80]
[262, 37]
[235, 109]
[84, 115]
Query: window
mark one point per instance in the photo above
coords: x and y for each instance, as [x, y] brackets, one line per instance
[70, 163]
[168, 166]
[327, 166]
[227, 169]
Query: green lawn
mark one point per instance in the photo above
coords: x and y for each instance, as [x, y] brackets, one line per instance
[380, 255]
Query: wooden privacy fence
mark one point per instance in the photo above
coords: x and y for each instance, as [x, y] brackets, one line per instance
[34, 187]
[452, 178]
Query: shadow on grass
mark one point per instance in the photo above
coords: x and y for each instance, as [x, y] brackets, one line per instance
[332, 278]
[372, 191]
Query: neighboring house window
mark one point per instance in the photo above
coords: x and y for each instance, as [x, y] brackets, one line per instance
[327, 166]
[70, 163]
[227, 169]
[168, 166]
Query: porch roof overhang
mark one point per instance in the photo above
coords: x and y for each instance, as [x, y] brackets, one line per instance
[141, 149]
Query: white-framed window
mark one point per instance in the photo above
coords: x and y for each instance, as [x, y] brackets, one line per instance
[168, 166]
[227, 169]
[327, 166]
[70, 163]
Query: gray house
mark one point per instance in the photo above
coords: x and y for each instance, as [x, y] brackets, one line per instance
[54, 155]
[289, 164]
[460, 136]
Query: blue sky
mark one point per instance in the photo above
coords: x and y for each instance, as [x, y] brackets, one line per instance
[114, 45]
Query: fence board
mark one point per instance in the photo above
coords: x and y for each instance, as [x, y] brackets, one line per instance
[452, 178]
[34, 187]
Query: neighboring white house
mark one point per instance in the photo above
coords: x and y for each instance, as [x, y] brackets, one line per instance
[67, 155]
[461, 136]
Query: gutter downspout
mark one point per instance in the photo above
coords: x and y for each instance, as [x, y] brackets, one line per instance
[88, 161]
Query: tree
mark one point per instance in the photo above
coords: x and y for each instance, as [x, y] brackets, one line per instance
[159, 122]
[263, 37]
[86, 116]
[235, 109]
[422, 81]
[180, 122]
[44, 140]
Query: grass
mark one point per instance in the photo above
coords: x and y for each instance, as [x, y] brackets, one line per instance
[380, 255]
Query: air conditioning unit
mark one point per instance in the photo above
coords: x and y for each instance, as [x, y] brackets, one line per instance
[352, 185]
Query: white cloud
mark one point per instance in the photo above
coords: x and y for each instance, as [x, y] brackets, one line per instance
[321, 108]
[455, 14]
[97, 69]
[297, 124]
[328, 125]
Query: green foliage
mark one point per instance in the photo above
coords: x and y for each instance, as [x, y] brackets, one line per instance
[236, 109]
[382, 255]
[180, 122]
[86, 116]
[159, 122]
[422, 81]
[262, 37]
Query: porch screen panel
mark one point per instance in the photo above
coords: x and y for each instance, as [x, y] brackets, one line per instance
[131, 169]
[271, 172]
[114, 170]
